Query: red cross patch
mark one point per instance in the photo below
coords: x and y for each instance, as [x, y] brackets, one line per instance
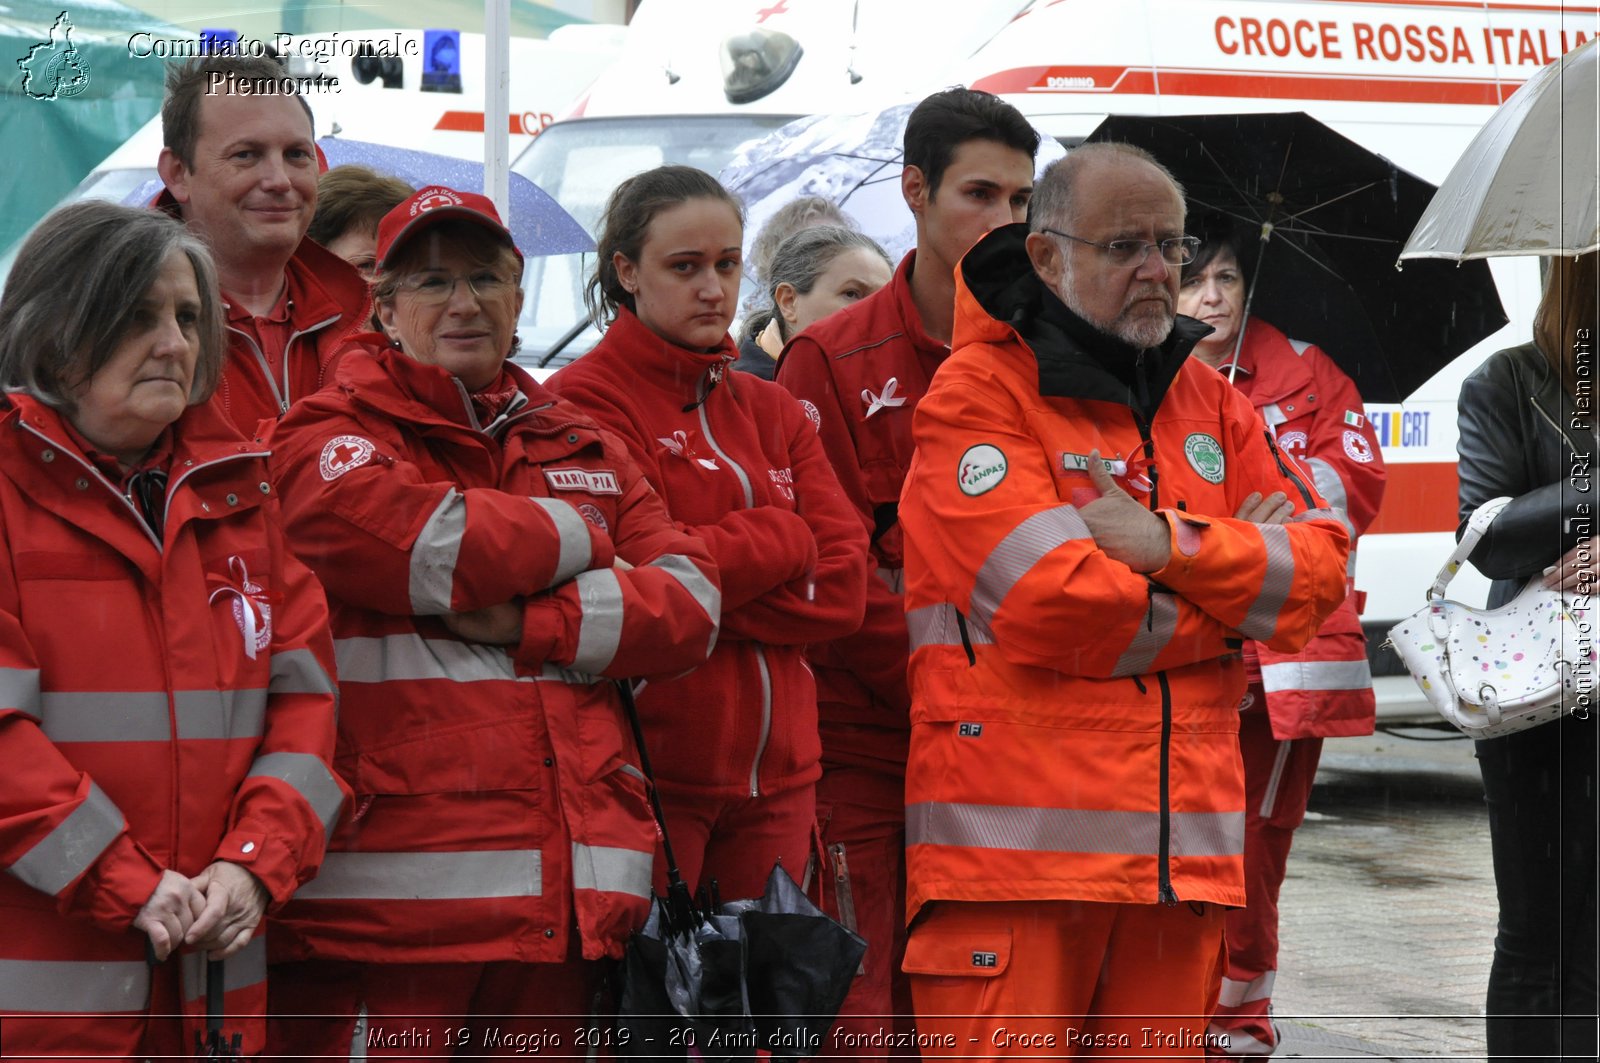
[343, 453]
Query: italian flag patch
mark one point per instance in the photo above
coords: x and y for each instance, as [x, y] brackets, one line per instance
[1354, 419]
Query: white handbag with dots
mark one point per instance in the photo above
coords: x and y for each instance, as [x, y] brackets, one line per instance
[1490, 672]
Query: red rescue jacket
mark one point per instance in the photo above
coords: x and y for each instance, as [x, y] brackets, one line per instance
[859, 373]
[738, 463]
[165, 705]
[1313, 409]
[497, 797]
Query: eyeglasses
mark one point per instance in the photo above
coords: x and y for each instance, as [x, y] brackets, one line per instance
[434, 288]
[1175, 250]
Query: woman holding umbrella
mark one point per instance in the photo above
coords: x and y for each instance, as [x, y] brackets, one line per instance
[488, 553]
[734, 743]
[1527, 421]
[167, 716]
[1294, 700]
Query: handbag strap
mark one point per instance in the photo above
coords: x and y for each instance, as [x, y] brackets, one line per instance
[1477, 525]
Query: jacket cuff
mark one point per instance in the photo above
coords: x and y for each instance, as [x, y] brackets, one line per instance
[542, 628]
[1186, 540]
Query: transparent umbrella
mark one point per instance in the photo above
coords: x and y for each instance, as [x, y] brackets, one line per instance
[1527, 183]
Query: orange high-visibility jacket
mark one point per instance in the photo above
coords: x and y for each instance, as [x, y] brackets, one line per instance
[163, 707]
[1073, 722]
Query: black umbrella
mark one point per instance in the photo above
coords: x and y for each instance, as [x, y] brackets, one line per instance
[1331, 218]
[727, 980]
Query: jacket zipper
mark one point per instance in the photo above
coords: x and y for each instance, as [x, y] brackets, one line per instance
[761, 657]
[1551, 421]
[266, 370]
[280, 394]
[766, 718]
[1305, 492]
[1164, 890]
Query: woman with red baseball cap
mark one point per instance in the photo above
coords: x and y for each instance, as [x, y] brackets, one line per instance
[489, 555]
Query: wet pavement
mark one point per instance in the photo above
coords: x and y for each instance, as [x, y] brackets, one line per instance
[1388, 912]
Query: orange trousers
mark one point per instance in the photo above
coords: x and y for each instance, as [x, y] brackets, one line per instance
[1065, 979]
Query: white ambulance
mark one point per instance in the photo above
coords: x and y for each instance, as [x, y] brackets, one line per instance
[1410, 79]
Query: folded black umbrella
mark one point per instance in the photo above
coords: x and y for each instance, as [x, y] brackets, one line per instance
[1328, 219]
[729, 979]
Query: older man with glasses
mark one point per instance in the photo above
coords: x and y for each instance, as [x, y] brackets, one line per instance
[1093, 523]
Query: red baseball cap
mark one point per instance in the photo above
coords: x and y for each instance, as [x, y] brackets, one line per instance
[432, 205]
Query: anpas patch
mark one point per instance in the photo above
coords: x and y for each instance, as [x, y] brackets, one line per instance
[981, 470]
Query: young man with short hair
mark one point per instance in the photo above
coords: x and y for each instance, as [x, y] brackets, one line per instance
[969, 161]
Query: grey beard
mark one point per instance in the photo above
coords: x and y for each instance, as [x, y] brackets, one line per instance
[1135, 333]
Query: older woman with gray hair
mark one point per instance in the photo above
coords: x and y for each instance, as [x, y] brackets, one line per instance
[166, 707]
[760, 342]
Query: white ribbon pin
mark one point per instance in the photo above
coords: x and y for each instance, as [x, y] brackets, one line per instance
[249, 611]
[884, 401]
[678, 443]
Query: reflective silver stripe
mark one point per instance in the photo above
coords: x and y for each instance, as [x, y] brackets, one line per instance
[1022, 548]
[75, 843]
[1262, 618]
[19, 689]
[705, 593]
[893, 578]
[1315, 514]
[599, 867]
[220, 713]
[1235, 992]
[309, 777]
[1331, 487]
[74, 986]
[99, 716]
[433, 556]
[247, 967]
[1269, 796]
[299, 672]
[1155, 630]
[408, 657]
[600, 624]
[1273, 415]
[1316, 675]
[1061, 830]
[573, 533]
[142, 716]
[935, 625]
[411, 657]
[426, 876]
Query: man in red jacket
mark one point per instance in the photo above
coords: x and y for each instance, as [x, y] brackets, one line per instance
[968, 169]
[240, 166]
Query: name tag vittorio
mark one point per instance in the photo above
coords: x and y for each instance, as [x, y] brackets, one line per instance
[1080, 463]
[594, 481]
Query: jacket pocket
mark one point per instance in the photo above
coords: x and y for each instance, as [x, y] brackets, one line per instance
[955, 952]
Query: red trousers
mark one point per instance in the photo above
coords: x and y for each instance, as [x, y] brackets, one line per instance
[1054, 979]
[737, 841]
[861, 816]
[431, 1010]
[1277, 786]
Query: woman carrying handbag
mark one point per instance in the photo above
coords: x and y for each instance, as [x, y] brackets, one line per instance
[1527, 430]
